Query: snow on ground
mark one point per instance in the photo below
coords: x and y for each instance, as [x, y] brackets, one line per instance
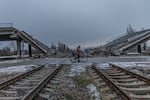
[125, 64]
[55, 61]
[16, 69]
[103, 65]
[132, 64]
[94, 94]
[78, 68]
[12, 61]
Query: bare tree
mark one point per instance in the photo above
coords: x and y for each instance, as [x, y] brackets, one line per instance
[12, 44]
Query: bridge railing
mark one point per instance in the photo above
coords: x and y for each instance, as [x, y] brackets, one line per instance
[4, 25]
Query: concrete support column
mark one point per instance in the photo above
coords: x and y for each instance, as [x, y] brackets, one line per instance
[22, 49]
[145, 46]
[19, 48]
[30, 50]
[139, 49]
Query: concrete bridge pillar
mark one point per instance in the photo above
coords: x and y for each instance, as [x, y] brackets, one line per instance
[139, 49]
[19, 48]
[30, 50]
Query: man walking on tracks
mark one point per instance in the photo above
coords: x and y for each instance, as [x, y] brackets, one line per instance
[78, 52]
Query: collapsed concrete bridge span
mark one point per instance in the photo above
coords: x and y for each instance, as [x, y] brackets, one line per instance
[13, 34]
[128, 41]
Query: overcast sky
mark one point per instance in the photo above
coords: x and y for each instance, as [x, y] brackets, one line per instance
[74, 22]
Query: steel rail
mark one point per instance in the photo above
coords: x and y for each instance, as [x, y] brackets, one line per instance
[34, 92]
[141, 77]
[124, 95]
[18, 77]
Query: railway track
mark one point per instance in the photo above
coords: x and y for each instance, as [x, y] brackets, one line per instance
[106, 92]
[127, 85]
[56, 89]
[26, 86]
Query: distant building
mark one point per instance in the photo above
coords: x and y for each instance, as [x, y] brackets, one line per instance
[62, 47]
[53, 46]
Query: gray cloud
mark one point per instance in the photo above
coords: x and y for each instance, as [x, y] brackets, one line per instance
[75, 21]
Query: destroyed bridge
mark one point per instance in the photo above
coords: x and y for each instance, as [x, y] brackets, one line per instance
[13, 34]
[129, 41]
[119, 46]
